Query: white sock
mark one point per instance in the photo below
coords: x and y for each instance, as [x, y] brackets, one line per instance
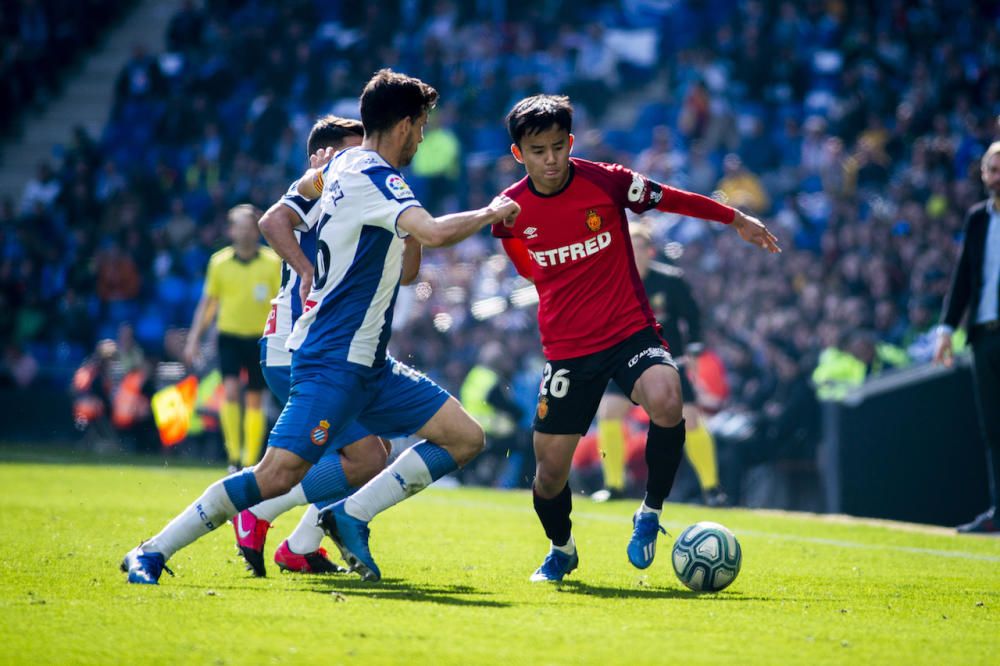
[207, 512]
[569, 548]
[408, 475]
[646, 509]
[307, 535]
[270, 509]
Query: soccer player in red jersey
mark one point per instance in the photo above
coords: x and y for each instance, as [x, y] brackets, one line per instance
[572, 240]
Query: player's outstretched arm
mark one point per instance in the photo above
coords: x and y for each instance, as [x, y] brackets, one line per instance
[450, 229]
[753, 231]
[673, 200]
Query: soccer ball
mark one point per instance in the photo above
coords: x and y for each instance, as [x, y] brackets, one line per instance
[707, 557]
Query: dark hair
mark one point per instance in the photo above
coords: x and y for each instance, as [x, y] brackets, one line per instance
[389, 97]
[330, 132]
[536, 114]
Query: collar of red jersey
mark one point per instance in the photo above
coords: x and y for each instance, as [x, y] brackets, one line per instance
[572, 172]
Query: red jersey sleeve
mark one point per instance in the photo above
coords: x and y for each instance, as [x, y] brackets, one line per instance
[518, 253]
[640, 194]
[687, 203]
[502, 231]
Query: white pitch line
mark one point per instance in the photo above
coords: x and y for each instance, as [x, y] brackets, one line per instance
[935, 552]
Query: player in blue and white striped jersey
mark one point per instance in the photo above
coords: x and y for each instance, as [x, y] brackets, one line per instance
[341, 371]
[356, 455]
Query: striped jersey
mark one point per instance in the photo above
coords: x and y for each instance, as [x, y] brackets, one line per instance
[359, 259]
[287, 305]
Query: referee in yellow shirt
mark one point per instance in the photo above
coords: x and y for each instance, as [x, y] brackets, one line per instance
[240, 282]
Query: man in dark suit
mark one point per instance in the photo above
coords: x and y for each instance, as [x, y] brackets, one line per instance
[975, 288]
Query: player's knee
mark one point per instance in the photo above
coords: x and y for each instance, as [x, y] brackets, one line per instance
[666, 411]
[276, 480]
[231, 389]
[372, 459]
[549, 481]
[470, 444]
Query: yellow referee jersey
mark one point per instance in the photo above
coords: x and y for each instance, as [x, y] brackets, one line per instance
[244, 289]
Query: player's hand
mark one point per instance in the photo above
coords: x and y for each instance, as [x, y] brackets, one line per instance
[506, 208]
[754, 232]
[943, 350]
[305, 283]
[321, 157]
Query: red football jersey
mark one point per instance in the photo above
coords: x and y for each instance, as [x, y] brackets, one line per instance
[590, 294]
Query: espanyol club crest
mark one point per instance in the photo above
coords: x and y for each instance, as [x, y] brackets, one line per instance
[320, 433]
[594, 221]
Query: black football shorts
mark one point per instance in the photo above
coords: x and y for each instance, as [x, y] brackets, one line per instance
[237, 353]
[571, 389]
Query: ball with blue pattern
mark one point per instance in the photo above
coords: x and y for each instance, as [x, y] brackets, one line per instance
[707, 557]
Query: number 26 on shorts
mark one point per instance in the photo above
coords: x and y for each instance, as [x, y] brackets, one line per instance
[556, 385]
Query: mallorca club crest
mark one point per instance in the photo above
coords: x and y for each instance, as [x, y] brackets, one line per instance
[543, 408]
[320, 433]
[594, 221]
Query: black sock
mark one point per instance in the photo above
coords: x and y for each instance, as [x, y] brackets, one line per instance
[664, 448]
[554, 514]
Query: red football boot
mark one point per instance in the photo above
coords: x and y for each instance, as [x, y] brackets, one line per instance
[251, 533]
[315, 562]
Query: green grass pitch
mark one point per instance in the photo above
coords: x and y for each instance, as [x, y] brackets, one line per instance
[813, 590]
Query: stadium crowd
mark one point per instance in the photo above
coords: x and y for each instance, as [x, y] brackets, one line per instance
[854, 127]
[40, 42]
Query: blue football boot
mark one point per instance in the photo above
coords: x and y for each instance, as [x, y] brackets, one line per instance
[351, 537]
[556, 565]
[642, 547]
[144, 568]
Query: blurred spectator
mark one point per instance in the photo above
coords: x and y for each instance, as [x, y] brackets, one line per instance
[436, 164]
[486, 394]
[118, 277]
[661, 161]
[783, 434]
[92, 388]
[40, 190]
[18, 369]
[742, 188]
[140, 78]
[129, 354]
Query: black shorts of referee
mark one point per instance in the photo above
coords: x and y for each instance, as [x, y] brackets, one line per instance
[236, 353]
